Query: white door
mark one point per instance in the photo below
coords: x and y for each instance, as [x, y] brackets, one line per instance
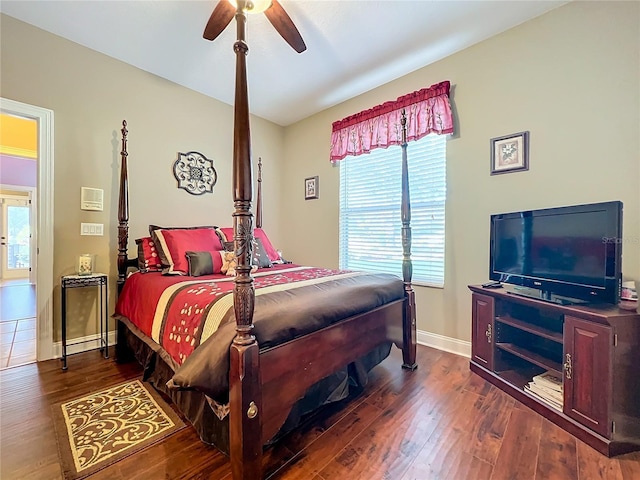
[15, 243]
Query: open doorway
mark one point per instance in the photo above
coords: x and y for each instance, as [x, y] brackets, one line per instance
[18, 340]
[26, 223]
[18, 180]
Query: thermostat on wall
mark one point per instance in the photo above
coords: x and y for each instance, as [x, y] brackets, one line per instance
[91, 199]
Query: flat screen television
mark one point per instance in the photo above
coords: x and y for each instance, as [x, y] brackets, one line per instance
[571, 254]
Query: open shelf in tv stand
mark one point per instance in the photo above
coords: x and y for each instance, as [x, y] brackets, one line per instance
[595, 350]
[545, 295]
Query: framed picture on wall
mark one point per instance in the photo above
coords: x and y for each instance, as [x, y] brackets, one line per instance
[311, 188]
[510, 153]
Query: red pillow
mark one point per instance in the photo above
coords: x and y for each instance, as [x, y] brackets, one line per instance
[175, 243]
[148, 258]
[272, 253]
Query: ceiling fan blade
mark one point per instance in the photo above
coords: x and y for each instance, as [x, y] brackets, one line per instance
[285, 27]
[219, 19]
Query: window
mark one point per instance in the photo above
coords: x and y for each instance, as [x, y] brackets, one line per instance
[370, 198]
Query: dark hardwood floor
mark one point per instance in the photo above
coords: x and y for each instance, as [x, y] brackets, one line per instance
[439, 422]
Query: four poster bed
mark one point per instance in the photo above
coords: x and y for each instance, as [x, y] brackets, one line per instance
[244, 357]
[245, 376]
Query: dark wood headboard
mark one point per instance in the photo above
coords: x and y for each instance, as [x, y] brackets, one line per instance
[124, 262]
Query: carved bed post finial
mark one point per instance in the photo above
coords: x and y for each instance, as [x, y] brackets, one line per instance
[409, 324]
[245, 388]
[123, 211]
[259, 196]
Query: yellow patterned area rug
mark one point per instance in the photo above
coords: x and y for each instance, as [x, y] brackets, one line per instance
[102, 428]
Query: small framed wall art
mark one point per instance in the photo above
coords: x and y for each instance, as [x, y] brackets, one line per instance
[311, 188]
[510, 153]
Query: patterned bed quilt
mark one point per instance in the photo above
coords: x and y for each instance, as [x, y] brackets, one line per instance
[193, 320]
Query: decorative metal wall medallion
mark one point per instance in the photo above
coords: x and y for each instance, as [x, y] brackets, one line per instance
[195, 173]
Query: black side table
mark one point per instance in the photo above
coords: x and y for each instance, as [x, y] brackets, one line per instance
[79, 281]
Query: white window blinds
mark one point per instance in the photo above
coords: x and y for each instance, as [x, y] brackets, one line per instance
[370, 198]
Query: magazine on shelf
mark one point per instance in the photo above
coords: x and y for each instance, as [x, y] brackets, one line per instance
[546, 393]
[549, 380]
[552, 403]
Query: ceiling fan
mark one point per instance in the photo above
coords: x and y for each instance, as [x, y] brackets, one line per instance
[225, 10]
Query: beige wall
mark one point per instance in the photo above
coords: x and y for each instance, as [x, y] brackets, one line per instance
[571, 77]
[90, 95]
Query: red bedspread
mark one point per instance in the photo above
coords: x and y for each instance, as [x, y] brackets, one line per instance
[193, 320]
[180, 313]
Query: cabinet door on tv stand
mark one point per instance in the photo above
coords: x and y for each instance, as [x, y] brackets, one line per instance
[587, 373]
[482, 336]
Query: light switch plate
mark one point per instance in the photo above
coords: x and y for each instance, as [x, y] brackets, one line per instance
[96, 229]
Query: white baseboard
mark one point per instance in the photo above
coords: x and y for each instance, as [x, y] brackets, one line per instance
[82, 344]
[447, 344]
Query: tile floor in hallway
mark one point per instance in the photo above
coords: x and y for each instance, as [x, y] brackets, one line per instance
[17, 335]
[17, 342]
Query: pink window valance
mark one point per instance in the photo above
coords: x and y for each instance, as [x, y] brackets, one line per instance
[428, 111]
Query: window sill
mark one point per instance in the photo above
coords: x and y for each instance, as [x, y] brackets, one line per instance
[419, 283]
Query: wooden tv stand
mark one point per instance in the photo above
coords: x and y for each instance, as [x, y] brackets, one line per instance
[594, 349]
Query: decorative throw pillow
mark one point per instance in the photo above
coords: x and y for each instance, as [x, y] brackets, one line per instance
[226, 234]
[174, 243]
[148, 258]
[260, 257]
[204, 263]
[158, 227]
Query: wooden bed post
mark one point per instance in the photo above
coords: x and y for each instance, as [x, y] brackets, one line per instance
[245, 393]
[123, 211]
[259, 196]
[122, 353]
[409, 320]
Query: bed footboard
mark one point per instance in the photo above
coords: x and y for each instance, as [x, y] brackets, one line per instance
[318, 355]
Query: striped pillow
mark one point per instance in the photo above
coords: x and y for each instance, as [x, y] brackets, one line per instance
[204, 263]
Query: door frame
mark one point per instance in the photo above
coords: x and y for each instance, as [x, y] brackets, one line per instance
[32, 203]
[43, 260]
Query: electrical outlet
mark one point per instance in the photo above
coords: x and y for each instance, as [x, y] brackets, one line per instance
[96, 229]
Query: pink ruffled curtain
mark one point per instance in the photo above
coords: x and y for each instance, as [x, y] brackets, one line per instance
[428, 111]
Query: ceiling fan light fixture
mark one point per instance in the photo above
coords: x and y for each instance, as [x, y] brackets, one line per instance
[254, 6]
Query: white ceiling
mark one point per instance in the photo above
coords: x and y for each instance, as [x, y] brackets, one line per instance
[352, 46]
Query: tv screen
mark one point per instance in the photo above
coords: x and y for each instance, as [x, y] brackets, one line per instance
[568, 251]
